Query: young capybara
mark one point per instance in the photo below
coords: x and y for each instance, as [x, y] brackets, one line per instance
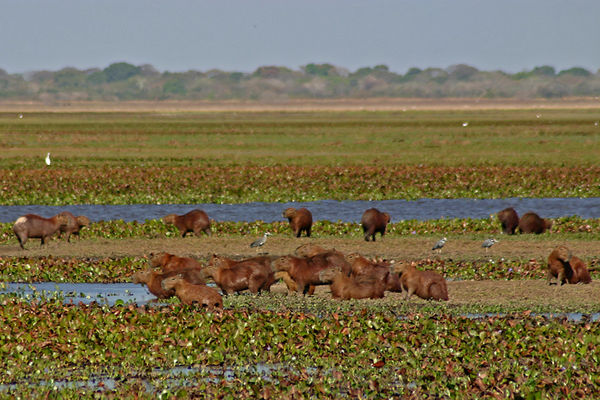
[73, 225]
[189, 293]
[374, 221]
[33, 226]
[249, 275]
[509, 220]
[170, 262]
[153, 279]
[566, 267]
[350, 287]
[425, 284]
[195, 221]
[365, 269]
[300, 220]
[302, 270]
[532, 223]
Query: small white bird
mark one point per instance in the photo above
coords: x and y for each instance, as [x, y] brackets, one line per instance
[20, 115]
[596, 123]
[465, 124]
[487, 243]
[538, 115]
[439, 244]
[48, 159]
[261, 241]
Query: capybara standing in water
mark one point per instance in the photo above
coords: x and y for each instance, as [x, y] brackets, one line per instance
[189, 293]
[532, 223]
[34, 226]
[153, 280]
[170, 262]
[509, 220]
[300, 220]
[374, 221]
[195, 221]
[73, 225]
[566, 267]
[425, 284]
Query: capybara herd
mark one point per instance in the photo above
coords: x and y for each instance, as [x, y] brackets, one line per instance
[348, 276]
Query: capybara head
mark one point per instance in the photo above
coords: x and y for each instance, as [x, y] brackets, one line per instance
[170, 219]
[387, 217]
[309, 250]
[82, 220]
[289, 212]
[63, 220]
[142, 276]
[327, 275]
[170, 282]
[281, 264]
[563, 253]
[158, 259]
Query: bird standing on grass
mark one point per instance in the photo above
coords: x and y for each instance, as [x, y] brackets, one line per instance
[48, 159]
[487, 243]
[439, 244]
[261, 241]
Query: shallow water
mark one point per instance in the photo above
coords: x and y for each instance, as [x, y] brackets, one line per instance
[330, 210]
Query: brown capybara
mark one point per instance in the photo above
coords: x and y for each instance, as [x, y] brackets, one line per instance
[153, 280]
[365, 269]
[559, 265]
[566, 267]
[73, 225]
[349, 287]
[532, 223]
[224, 262]
[249, 275]
[425, 284]
[195, 221]
[170, 262]
[300, 220]
[374, 221]
[189, 293]
[302, 270]
[308, 250]
[509, 220]
[33, 226]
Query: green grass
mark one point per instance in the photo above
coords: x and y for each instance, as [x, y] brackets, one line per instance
[493, 137]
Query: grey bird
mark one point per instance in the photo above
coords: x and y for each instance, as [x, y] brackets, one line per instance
[487, 243]
[261, 241]
[439, 244]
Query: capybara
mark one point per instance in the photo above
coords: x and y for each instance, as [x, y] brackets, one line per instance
[34, 226]
[189, 293]
[224, 262]
[304, 271]
[170, 262]
[532, 223]
[566, 267]
[425, 284]
[195, 221]
[509, 220]
[365, 269]
[249, 275]
[300, 220]
[308, 250]
[73, 225]
[374, 221]
[153, 280]
[350, 287]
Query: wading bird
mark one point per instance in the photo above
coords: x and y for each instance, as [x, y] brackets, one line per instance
[261, 241]
[439, 245]
[487, 243]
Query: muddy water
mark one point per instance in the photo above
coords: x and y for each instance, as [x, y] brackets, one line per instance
[331, 210]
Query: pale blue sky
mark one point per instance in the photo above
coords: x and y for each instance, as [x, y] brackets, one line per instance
[240, 35]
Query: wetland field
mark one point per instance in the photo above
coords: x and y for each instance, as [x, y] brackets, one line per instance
[504, 333]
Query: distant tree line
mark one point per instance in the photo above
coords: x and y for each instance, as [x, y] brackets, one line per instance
[124, 81]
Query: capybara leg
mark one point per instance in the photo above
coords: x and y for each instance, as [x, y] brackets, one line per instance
[561, 278]
[549, 277]
[183, 233]
[22, 242]
[289, 282]
[298, 233]
[308, 232]
[68, 238]
[408, 293]
[311, 290]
